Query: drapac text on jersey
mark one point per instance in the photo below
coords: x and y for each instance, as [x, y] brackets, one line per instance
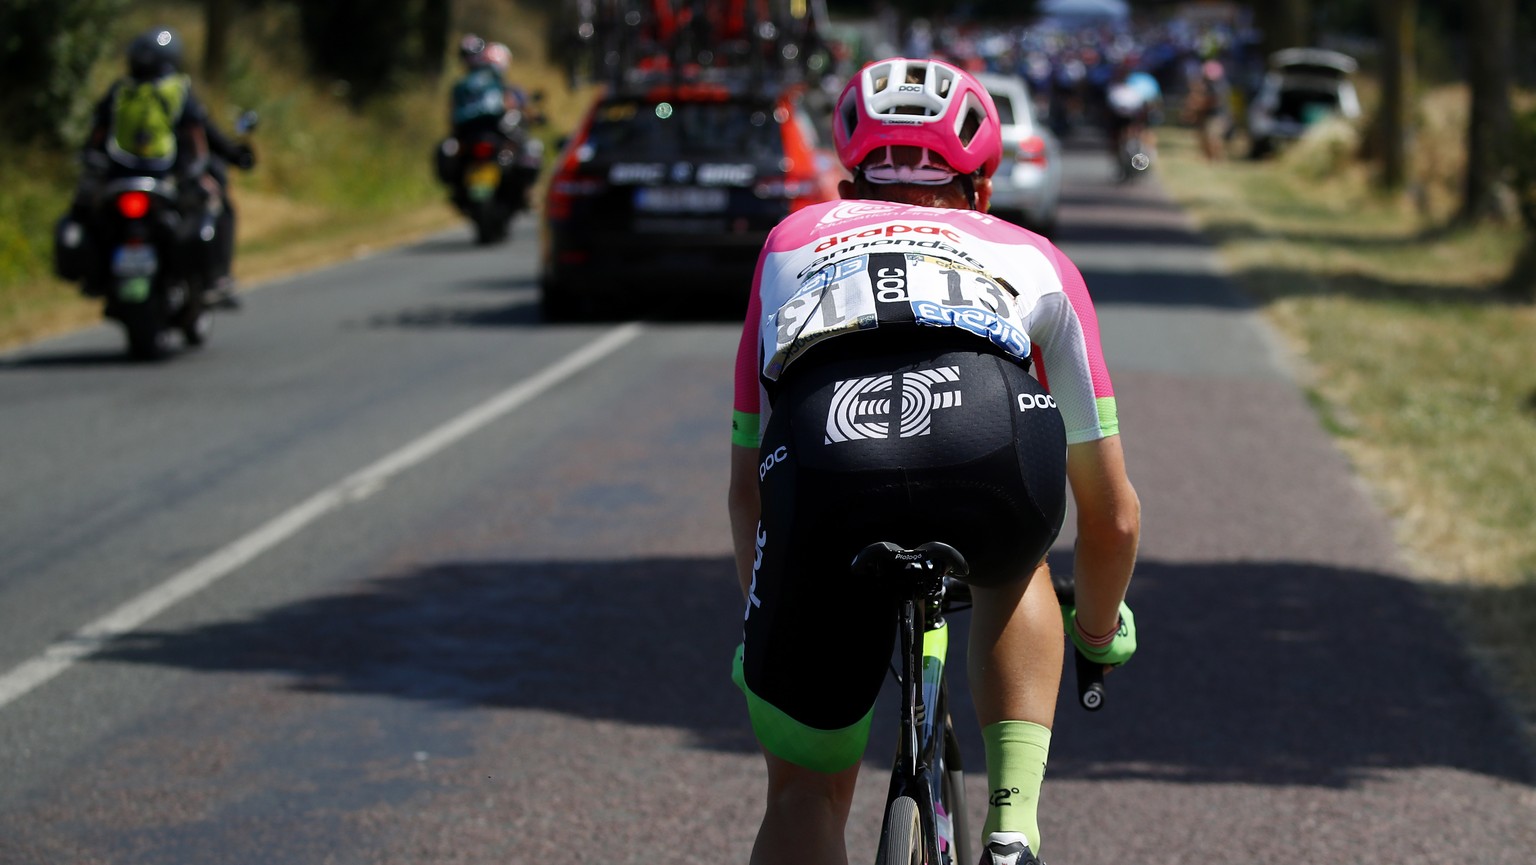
[888, 230]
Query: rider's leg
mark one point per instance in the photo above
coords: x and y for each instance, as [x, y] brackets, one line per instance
[806, 815]
[1014, 664]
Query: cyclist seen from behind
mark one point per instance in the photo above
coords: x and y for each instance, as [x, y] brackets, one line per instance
[1133, 100]
[884, 393]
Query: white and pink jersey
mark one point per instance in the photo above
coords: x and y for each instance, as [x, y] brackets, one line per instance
[847, 266]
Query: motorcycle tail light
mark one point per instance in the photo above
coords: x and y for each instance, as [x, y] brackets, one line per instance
[484, 150]
[133, 205]
[1032, 150]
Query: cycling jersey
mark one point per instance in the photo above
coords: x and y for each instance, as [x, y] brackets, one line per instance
[846, 267]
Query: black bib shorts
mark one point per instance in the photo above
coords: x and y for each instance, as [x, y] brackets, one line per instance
[959, 446]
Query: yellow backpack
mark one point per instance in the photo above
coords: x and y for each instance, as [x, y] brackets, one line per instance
[144, 118]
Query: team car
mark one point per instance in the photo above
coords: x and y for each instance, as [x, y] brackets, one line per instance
[667, 192]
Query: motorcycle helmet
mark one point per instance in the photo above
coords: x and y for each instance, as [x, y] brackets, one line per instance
[472, 50]
[154, 54]
[499, 57]
[919, 103]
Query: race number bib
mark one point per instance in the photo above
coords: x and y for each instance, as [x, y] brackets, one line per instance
[867, 291]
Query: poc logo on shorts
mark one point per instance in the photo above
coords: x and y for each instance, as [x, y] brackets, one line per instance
[883, 406]
[1028, 401]
[773, 459]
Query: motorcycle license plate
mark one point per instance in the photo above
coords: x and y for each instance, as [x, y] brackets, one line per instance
[135, 259]
[133, 289]
[482, 180]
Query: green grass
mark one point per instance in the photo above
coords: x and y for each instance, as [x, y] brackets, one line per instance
[1422, 368]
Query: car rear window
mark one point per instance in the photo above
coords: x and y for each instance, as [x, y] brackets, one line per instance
[1004, 108]
[643, 129]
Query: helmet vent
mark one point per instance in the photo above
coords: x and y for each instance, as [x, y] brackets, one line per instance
[970, 119]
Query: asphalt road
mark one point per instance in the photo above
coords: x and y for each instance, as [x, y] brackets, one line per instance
[392, 572]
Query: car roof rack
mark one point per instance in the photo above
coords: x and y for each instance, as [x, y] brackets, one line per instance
[1322, 61]
[741, 45]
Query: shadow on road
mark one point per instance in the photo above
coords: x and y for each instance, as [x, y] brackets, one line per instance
[1272, 673]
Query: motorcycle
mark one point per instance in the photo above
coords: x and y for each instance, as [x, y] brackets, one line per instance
[144, 248]
[490, 174]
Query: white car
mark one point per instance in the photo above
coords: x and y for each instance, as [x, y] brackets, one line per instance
[1027, 186]
[1303, 85]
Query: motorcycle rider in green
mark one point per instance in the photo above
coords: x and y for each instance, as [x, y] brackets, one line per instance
[479, 99]
[152, 121]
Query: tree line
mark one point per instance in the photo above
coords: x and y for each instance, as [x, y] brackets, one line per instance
[49, 47]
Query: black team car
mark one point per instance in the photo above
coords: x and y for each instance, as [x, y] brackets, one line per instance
[666, 193]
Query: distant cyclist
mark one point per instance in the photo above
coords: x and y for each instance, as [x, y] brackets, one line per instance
[883, 393]
[1132, 100]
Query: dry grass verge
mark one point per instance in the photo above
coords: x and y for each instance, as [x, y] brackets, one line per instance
[1421, 368]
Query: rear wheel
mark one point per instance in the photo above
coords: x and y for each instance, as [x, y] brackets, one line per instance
[558, 303]
[492, 224]
[148, 338]
[902, 841]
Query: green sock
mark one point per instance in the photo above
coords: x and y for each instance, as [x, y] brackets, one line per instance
[1016, 752]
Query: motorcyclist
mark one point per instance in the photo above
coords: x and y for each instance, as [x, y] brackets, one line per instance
[479, 99]
[500, 58]
[175, 137]
[483, 103]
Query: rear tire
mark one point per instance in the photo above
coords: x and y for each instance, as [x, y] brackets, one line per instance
[149, 343]
[148, 337]
[492, 225]
[902, 841]
[557, 303]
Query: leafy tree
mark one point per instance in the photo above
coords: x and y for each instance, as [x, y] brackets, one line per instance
[217, 19]
[1396, 19]
[1285, 23]
[47, 49]
[374, 45]
[1490, 59]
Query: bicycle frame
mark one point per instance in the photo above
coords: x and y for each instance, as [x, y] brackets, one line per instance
[927, 769]
[927, 765]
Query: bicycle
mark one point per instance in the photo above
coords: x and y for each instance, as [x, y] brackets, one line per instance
[925, 814]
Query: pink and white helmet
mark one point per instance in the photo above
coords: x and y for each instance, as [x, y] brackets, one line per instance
[920, 103]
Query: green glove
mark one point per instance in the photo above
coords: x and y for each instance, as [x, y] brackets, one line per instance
[1118, 651]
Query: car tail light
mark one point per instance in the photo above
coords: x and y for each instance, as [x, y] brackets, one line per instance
[484, 150]
[566, 188]
[133, 205]
[1032, 150]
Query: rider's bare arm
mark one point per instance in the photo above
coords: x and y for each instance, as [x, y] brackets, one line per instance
[745, 508]
[1108, 528]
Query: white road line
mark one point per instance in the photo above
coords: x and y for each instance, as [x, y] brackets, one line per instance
[62, 655]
